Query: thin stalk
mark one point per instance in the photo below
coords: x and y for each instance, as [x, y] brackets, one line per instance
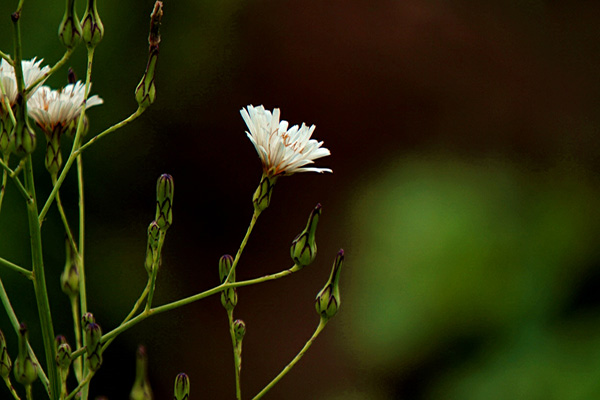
[237, 361]
[82, 385]
[25, 272]
[77, 367]
[63, 217]
[6, 57]
[52, 70]
[243, 244]
[288, 367]
[28, 392]
[155, 266]
[15, 323]
[11, 388]
[75, 151]
[3, 187]
[16, 180]
[39, 283]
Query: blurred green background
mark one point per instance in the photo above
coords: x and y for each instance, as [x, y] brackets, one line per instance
[465, 142]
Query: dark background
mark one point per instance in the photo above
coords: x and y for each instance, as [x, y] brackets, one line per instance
[464, 139]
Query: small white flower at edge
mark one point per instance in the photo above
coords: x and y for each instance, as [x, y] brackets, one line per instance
[282, 151]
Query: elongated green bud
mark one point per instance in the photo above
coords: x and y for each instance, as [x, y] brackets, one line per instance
[5, 362]
[93, 334]
[225, 264]
[152, 249]
[304, 246]
[6, 126]
[229, 298]
[182, 387]
[145, 92]
[328, 300]
[262, 196]
[164, 201]
[25, 369]
[141, 389]
[53, 160]
[22, 136]
[92, 29]
[69, 30]
[239, 329]
[63, 353]
[69, 279]
[86, 319]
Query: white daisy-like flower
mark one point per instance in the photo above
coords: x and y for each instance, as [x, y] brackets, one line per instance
[282, 151]
[58, 108]
[31, 73]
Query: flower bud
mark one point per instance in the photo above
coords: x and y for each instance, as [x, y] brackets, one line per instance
[328, 300]
[92, 29]
[262, 196]
[53, 160]
[145, 92]
[229, 298]
[225, 264]
[25, 369]
[182, 387]
[141, 389]
[304, 246]
[164, 201]
[5, 362]
[93, 335]
[69, 30]
[69, 279]
[152, 245]
[239, 329]
[23, 137]
[6, 126]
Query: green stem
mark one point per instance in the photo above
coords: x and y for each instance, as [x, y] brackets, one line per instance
[17, 181]
[15, 323]
[237, 361]
[75, 151]
[63, 217]
[25, 272]
[288, 367]
[155, 266]
[3, 187]
[52, 70]
[6, 57]
[82, 385]
[243, 244]
[11, 388]
[28, 392]
[39, 282]
[77, 367]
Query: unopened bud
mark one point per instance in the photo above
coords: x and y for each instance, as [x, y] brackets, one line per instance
[152, 246]
[182, 387]
[86, 319]
[141, 389]
[91, 25]
[22, 136]
[6, 139]
[304, 246]
[164, 201]
[69, 30]
[25, 369]
[225, 264]
[229, 298]
[328, 300]
[53, 160]
[262, 196]
[145, 92]
[69, 279]
[63, 354]
[93, 335]
[5, 362]
[239, 329]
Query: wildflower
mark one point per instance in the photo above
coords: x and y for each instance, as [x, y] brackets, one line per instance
[31, 73]
[282, 151]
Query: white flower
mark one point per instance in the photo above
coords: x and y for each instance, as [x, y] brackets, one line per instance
[282, 151]
[31, 73]
[58, 108]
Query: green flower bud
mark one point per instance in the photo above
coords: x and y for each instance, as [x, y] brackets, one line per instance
[225, 264]
[152, 246]
[229, 298]
[145, 92]
[86, 319]
[328, 300]
[262, 196]
[53, 160]
[6, 139]
[141, 389]
[25, 369]
[182, 387]
[304, 246]
[22, 136]
[5, 362]
[239, 329]
[69, 30]
[93, 334]
[91, 26]
[69, 279]
[164, 201]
